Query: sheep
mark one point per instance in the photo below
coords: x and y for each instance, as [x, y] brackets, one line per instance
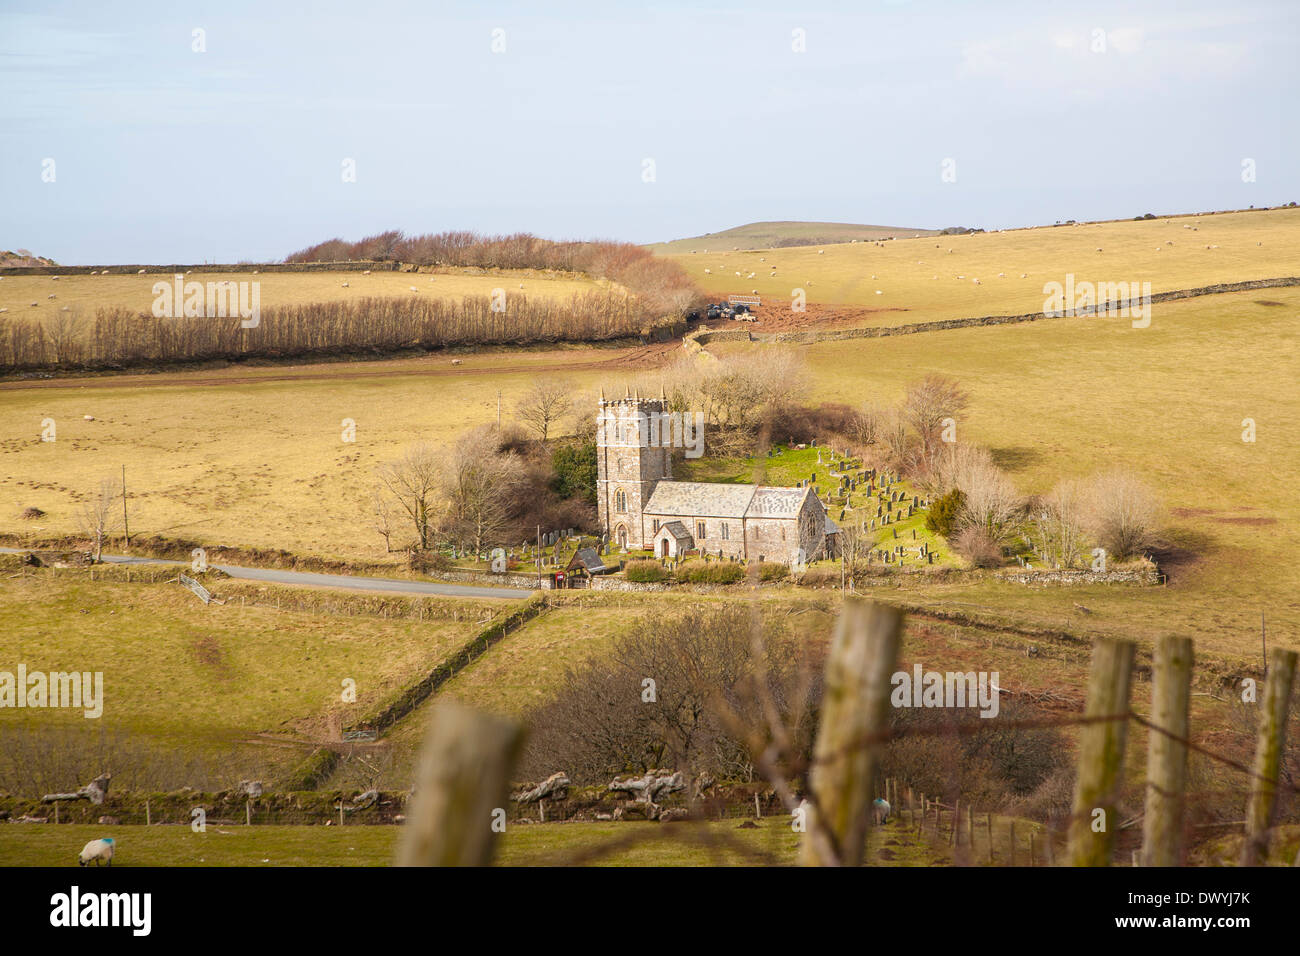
[821, 252]
[1099, 248]
[976, 281]
[708, 272]
[345, 285]
[51, 295]
[880, 810]
[139, 272]
[97, 850]
[35, 305]
[521, 285]
[1024, 275]
[455, 361]
[878, 292]
[54, 278]
[1002, 275]
[366, 273]
[414, 289]
[3, 310]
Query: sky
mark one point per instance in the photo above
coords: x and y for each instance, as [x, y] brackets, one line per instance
[225, 131]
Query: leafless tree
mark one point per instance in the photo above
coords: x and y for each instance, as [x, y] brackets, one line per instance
[926, 406]
[1058, 522]
[992, 502]
[62, 330]
[545, 404]
[383, 514]
[1122, 514]
[413, 482]
[480, 484]
[101, 513]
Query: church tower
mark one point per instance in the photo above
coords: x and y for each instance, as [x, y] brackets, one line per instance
[630, 461]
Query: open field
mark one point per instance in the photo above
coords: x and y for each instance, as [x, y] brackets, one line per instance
[765, 235]
[682, 844]
[1250, 245]
[86, 293]
[204, 679]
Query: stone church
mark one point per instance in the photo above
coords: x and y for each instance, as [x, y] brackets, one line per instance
[641, 507]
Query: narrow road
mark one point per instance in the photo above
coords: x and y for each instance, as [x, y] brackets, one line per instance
[314, 580]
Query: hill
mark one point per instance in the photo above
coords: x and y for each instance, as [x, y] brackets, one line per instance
[775, 235]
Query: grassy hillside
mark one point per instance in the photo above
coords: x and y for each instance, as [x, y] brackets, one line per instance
[933, 277]
[1067, 398]
[202, 679]
[769, 235]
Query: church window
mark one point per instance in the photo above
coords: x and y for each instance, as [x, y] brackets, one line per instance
[699, 530]
[726, 531]
[620, 500]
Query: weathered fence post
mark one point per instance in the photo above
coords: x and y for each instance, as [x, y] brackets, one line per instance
[1101, 753]
[1268, 755]
[462, 788]
[1171, 694]
[855, 719]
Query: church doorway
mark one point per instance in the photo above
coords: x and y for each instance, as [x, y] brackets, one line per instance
[621, 536]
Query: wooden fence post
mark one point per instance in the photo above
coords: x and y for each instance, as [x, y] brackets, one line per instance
[1171, 694]
[1268, 755]
[989, 820]
[462, 789]
[855, 718]
[1101, 753]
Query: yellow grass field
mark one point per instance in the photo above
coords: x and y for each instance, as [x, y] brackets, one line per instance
[86, 293]
[255, 456]
[1250, 245]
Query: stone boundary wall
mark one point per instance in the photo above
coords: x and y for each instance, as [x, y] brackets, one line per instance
[526, 582]
[1145, 577]
[703, 337]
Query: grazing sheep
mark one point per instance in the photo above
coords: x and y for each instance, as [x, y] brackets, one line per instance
[880, 810]
[1002, 275]
[4, 310]
[54, 278]
[976, 281]
[345, 285]
[455, 361]
[1099, 248]
[139, 272]
[35, 305]
[821, 252]
[708, 272]
[521, 285]
[366, 273]
[51, 295]
[97, 850]
[878, 292]
[414, 289]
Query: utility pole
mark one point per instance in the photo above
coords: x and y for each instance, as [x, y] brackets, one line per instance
[126, 529]
[539, 556]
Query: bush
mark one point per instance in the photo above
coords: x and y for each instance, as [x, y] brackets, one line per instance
[710, 572]
[645, 572]
[819, 577]
[977, 546]
[575, 471]
[772, 571]
[943, 514]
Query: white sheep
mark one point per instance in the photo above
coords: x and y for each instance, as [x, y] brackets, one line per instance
[821, 252]
[97, 850]
[345, 285]
[139, 272]
[414, 289]
[708, 272]
[366, 273]
[51, 295]
[1024, 275]
[880, 810]
[54, 278]
[878, 292]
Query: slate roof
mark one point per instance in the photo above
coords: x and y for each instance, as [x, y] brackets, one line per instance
[771, 502]
[678, 531]
[705, 499]
[831, 526]
[589, 558]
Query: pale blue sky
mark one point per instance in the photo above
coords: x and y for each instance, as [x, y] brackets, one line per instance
[163, 154]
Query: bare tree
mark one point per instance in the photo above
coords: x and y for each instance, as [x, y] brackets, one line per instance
[992, 502]
[383, 514]
[1058, 523]
[413, 481]
[544, 404]
[480, 485]
[926, 406]
[101, 514]
[1122, 514]
[62, 329]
